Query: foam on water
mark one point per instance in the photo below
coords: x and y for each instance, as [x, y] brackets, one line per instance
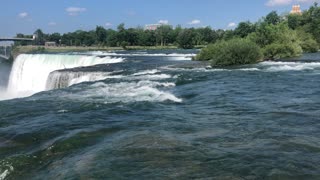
[268, 66]
[140, 86]
[151, 77]
[5, 170]
[289, 66]
[126, 92]
[170, 56]
[249, 69]
[153, 71]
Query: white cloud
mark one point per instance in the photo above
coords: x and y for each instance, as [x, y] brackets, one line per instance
[278, 2]
[23, 15]
[52, 23]
[108, 24]
[74, 11]
[231, 25]
[194, 22]
[287, 2]
[163, 22]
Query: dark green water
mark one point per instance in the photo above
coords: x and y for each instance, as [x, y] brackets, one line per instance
[155, 117]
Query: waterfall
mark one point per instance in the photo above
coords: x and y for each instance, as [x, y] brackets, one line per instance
[30, 71]
[57, 80]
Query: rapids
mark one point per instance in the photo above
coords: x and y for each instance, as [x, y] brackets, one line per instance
[158, 115]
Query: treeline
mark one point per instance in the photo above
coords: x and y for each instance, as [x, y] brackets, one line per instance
[301, 31]
[164, 35]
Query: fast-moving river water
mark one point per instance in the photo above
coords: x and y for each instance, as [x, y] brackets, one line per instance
[158, 115]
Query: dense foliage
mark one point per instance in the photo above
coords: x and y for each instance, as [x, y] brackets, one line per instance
[232, 52]
[276, 40]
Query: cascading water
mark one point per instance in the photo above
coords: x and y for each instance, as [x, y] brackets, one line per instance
[58, 79]
[30, 71]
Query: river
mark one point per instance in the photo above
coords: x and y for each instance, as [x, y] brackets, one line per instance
[159, 115]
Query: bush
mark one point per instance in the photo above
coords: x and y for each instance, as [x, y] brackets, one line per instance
[310, 46]
[232, 52]
[307, 41]
[278, 51]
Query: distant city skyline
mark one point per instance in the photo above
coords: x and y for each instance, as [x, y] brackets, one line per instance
[22, 16]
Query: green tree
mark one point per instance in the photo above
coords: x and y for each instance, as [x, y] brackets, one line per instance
[55, 37]
[146, 38]
[162, 34]
[121, 35]
[273, 18]
[40, 37]
[90, 38]
[294, 21]
[244, 29]
[101, 34]
[228, 34]
[315, 22]
[175, 33]
[132, 36]
[112, 38]
[204, 36]
[185, 39]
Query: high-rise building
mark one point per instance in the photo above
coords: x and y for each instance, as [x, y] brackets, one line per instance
[152, 27]
[296, 10]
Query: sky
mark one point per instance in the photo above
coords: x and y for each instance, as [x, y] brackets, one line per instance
[25, 16]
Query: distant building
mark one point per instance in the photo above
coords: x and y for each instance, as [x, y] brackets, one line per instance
[50, 44]
[296, 10]
[152, 27]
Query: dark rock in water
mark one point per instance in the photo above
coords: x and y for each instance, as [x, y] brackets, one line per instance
[192, 65]
[5, 68]
[308, 57]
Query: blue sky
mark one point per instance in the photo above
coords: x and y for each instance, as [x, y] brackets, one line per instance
[25, 16]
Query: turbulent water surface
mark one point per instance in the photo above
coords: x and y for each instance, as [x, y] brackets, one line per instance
[158, 115]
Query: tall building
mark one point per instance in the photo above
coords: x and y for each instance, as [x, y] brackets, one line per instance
[152, 27]
[296, 10]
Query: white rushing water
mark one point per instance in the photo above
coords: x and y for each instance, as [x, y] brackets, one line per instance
[126, 92]
[30, 71]
[170, 56]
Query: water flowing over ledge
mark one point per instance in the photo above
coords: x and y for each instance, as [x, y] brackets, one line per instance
[30, 71]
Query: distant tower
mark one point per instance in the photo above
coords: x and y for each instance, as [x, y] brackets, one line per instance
[296, 10]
